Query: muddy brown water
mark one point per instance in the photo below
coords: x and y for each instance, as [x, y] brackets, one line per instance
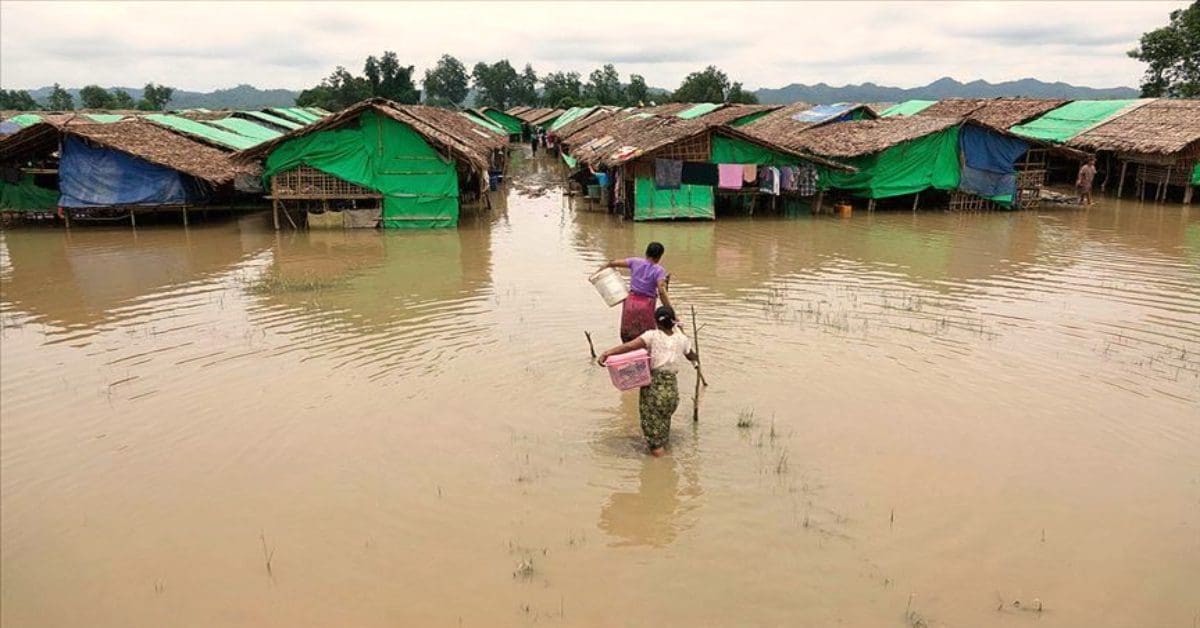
[950, 415]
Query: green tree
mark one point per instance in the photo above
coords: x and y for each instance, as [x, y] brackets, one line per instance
[494, 84]
[19, 100]
[604, 86]
[708, 85]
[336, 92]
[526, 92]
[637, 94]
[60, 99]
[446, 83]
[122, 100]
[561, 89]
[391, 80]
[155, 97]
[738, 95]
[1173, 54]
[95, 97]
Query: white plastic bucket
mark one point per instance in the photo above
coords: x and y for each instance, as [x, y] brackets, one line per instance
[610, 285]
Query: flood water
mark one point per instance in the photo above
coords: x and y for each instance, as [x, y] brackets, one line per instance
[950, 416]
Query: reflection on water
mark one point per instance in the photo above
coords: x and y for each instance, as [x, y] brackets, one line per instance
[951, 407]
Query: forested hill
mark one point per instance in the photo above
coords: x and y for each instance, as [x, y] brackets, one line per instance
[240, 97]
[250, 97]
[822, 93]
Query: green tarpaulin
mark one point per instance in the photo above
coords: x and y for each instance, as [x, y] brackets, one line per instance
[293, 114]
[511, 124]
[695, 111]
[485, 122]
[25, 119]
[1196, 175]
[906, 168]
[199, 129]
[744, 120]
[569, 160]
[689, 201]
[730, 150]
[104, 118]
[570, 115]
[1064, 123]
[276, 120]
[26, 197]
[907, 108]
[245, 127]
[419, 187]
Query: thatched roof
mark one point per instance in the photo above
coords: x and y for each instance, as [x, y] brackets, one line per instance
[625, 136]
[518, 110]
[1162, 127]
[443, 128]
[732, 112]
[863, 137]
[157, 145]
[532, 114]
[1000, 113]
[548, 116]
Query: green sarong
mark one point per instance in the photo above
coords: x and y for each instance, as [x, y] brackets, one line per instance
[656, 403]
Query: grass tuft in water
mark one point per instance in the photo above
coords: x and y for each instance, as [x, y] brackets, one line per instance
[745, 419]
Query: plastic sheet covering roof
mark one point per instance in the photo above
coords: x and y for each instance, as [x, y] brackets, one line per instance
[104, 118]
[245, 127]
[156, 144]
[294, 114]
[570, 115]
[697, 110]
[484, 122]
[907, 108]
[1064, 123]
[227, 139]
[273, 119]
[25, 119]
[316, 111]
[823, 113]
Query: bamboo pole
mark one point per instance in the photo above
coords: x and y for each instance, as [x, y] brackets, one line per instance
[699, 372]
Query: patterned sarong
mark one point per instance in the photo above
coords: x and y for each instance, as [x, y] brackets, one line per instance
[656, 404]
[637, 316]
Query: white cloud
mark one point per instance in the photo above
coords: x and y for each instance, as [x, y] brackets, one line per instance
[207, 45]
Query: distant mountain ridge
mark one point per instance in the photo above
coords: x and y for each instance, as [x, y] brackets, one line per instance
[240, 97]
[250, 97]
[946, 87]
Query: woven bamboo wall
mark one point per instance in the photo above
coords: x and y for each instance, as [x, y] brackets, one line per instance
[304, 182]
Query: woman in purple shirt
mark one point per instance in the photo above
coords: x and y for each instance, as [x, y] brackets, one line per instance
[647, 283]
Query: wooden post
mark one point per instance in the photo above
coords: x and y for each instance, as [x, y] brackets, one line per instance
[185, 217]
[275, 212]
[1187, 194]
[916, 201]
[820, 200]
[66, 213]
[132, 218]
[1166, 184]
[871, 206]
[1121, 183]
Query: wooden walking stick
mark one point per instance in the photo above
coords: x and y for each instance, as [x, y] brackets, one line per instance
[591, 346]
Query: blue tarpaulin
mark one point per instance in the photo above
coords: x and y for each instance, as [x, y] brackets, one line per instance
[8, 127]
[985, 150]
[823, 113]
[90, 176]
[989, 163]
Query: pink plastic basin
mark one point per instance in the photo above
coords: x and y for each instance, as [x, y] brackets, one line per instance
[629, 370]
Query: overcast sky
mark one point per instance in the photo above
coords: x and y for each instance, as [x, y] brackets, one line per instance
[207, 45]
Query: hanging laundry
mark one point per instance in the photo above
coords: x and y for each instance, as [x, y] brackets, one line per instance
[768, 180]
[787, 178]
[700, 173]
[668, 174]
[806, 180]
[730, 176]
[602, 179]
[749, 174]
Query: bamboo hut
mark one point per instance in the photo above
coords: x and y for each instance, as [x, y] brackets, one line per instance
[624, 149]
[379, 163]
[98, 170]
[1161, 140]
